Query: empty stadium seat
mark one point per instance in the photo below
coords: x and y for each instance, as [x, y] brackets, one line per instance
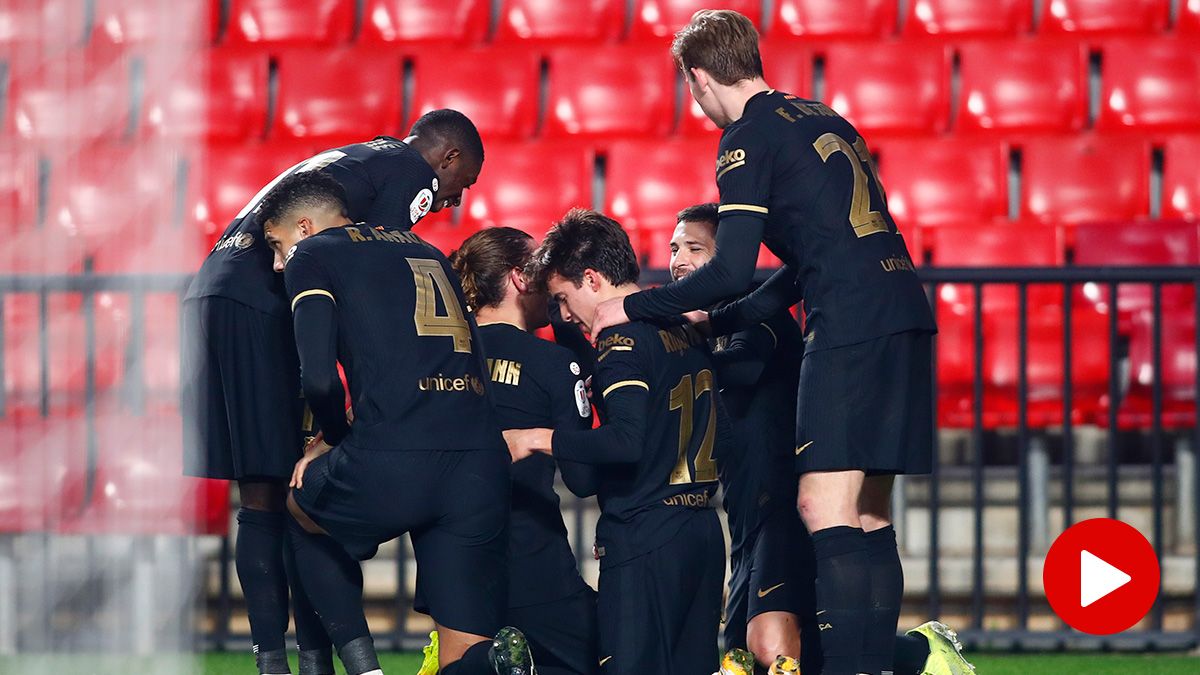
[338, 93]
[1177, 377]
[528, 186]
[788, 67]
[220, 94]
[956, 18]
[18, 187]
[1151, 83]
[1103, 16]
[1181, 178]
[659, 19]
[1188, 20]
[42, 23]
[224, 178]
[1085, 178]
[502, 105]
[81, 96]
[42, 467]
[943, 182]
[407, 21]
[610, 91]
[1020, 246]
[286, 22]
[1022, 85]
[555, 21]
[1139, 244]
[650, 181]
[889, 87]
[138, 21]
[821, 19]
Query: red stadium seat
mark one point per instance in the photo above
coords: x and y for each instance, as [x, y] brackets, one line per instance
[1181, 178]
[44, 23]
[223, 179]
[18, 187]
[338, 94]
[407, 21]
[650, 181]
[1025, 85]
[41, 471]
[889, 87]
[78, 96]
[521, 192]
[1137, 243]
[821, 18]
[1024, 246]
[787, 67]
[1153, 83]
[1178, 376]
[610, 91]
[959, 18]
[554, 21]
[502, 105]
[1188, 20]
[659, 19]
[943, 182]
[111, 191]
[287, 22]
[1104, 16]
[1084, 178]
[138, 21]
[220, 95]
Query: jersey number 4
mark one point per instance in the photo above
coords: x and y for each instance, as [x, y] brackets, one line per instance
[683, 398]
[431, 283]
[863, 220]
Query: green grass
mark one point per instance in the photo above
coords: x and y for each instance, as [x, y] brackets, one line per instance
[407, 664]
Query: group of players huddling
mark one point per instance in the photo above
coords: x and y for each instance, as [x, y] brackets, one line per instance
[460, 416]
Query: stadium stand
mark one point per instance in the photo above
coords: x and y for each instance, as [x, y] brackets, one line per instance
[29, 22]
[657, 20]
[1103, 16]
[503, 105]
[961, 18]
[889, 87]
[221, 179]
[137, 21]
[81, 95]
[1187, 21]
[221, 95]
[318, 22]
[312, 99]
[1150, 84]
[544, 21]
[1138, 243]
[1021, 85]
[943, 181]
[1074, 179]
[1181, 178]
[610, 91]
[18, 187]
[822, 19]
[424, 21]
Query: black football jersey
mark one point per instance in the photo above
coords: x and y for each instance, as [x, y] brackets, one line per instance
[386, 182]
[536, 384]
[410, 352]
[644, 504]
[807, 172]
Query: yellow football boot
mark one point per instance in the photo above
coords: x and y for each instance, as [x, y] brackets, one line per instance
[430, 665]
[945, 651]
[737, 662]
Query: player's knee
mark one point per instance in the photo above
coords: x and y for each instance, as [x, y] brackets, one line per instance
[771, 635]
[301, 517]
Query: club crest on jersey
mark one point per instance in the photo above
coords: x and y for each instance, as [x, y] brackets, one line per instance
[574, 368]
[419, 208]
[581, 399]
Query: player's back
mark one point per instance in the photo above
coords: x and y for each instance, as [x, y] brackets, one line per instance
[409, 351]
[806, 169]
[386, 182]
[644, 504]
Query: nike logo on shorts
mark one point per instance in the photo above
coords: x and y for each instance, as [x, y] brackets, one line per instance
[763, 593]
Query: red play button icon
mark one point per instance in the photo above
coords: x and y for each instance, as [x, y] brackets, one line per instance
[1101, 576]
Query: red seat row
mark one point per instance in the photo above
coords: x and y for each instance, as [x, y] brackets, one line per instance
[468, 21]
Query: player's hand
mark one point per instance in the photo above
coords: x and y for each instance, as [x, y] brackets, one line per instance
[313, 450]
[699, 319]
[608, 314]
[523, 443]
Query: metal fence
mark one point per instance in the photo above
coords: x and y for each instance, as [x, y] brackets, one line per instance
[1035, 475]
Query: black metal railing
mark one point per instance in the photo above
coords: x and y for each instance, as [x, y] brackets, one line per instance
[1032, 467]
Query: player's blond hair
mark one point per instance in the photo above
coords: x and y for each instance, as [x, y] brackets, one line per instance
[722, 42]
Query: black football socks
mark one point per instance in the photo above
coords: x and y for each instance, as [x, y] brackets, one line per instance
[843, 596]
[887, 589]
[316, 649]
[260, 569]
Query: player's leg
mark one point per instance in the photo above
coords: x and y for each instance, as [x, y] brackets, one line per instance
[561, 634]
[258, 556]
[316, 649]
[887, 576]
[689, 574]
[780, 588]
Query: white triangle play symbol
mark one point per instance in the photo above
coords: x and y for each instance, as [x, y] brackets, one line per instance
[1097, 578]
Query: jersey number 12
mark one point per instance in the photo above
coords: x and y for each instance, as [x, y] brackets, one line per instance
[683, 398]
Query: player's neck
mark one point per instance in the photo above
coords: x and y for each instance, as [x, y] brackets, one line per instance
[319, 227]
[737, 95]
[613, 292]
[505, 313]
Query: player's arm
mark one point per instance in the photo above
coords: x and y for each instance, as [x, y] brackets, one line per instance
[571, 410]
[743, 179]
[742, 361]
[314, 316]
[776, 295]
[399, 201]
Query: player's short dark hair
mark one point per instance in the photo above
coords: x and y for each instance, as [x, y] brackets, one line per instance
[700, 213]
[452, 127]
[585, 239]
[484, 261]
[722, 42]
[306, 189]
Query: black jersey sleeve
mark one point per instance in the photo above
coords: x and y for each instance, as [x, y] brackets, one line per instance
[571, 410]
[744, 166]
[775, 295]
[742, 360]
[314, 312]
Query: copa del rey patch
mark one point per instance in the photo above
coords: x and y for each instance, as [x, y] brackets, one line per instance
[419, 208]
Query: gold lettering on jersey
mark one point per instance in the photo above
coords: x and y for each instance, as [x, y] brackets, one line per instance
[813, 109]
[730, 160]
[897, 263]
[690, 500]
[355, 234]
[678, 338]
[784, 114]
[614, 340]
[504, 371]
[442, 383]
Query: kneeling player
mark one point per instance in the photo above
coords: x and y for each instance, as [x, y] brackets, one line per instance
[534, 383]
[423, 455]
[659, 540]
